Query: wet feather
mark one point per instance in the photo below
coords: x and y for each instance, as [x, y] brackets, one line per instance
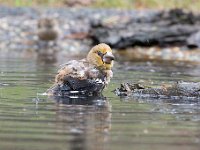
[90, 75]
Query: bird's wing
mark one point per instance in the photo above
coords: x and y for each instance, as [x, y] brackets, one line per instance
[80, 75]
[75, 69]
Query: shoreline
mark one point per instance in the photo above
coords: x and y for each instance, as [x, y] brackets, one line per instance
[83, 27]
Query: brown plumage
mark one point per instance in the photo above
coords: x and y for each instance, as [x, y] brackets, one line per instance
[47, 29]
[90, 75]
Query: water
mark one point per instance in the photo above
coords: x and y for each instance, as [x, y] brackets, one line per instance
[31, 120]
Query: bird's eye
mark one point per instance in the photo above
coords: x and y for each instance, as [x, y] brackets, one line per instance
[100, 53]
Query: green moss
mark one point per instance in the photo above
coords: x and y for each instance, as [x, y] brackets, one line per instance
[193, 5]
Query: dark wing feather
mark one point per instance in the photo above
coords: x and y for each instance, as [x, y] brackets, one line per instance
[77, 77]
[83, 85]
[76, 87]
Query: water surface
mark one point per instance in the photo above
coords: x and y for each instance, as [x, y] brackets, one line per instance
[30, 120]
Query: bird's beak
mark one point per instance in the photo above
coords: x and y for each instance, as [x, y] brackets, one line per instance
[108, 57]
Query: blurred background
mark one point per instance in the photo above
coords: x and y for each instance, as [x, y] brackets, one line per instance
[136, 29]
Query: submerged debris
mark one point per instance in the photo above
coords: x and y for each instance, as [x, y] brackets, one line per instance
[176, 90]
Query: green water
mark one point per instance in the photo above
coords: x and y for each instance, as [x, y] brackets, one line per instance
[32, 121]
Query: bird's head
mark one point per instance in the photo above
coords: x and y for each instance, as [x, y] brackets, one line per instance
[101, 56]
[47, 23]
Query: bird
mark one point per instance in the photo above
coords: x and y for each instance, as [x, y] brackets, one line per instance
[47, 29]
[48, 35]
[87, 76]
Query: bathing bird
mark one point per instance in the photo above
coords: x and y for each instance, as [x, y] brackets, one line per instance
[86, 76]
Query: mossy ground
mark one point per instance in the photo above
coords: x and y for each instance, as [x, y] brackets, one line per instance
[193, 5]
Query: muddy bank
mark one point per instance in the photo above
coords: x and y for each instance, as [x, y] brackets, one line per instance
[185, 90]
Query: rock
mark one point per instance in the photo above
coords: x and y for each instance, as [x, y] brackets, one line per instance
[181, 89]
[194, 40]
[162, 28]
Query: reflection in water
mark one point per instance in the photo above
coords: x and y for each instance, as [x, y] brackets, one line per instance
[48, 33]
[87, 119]
[183, 109]
[47, 52]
